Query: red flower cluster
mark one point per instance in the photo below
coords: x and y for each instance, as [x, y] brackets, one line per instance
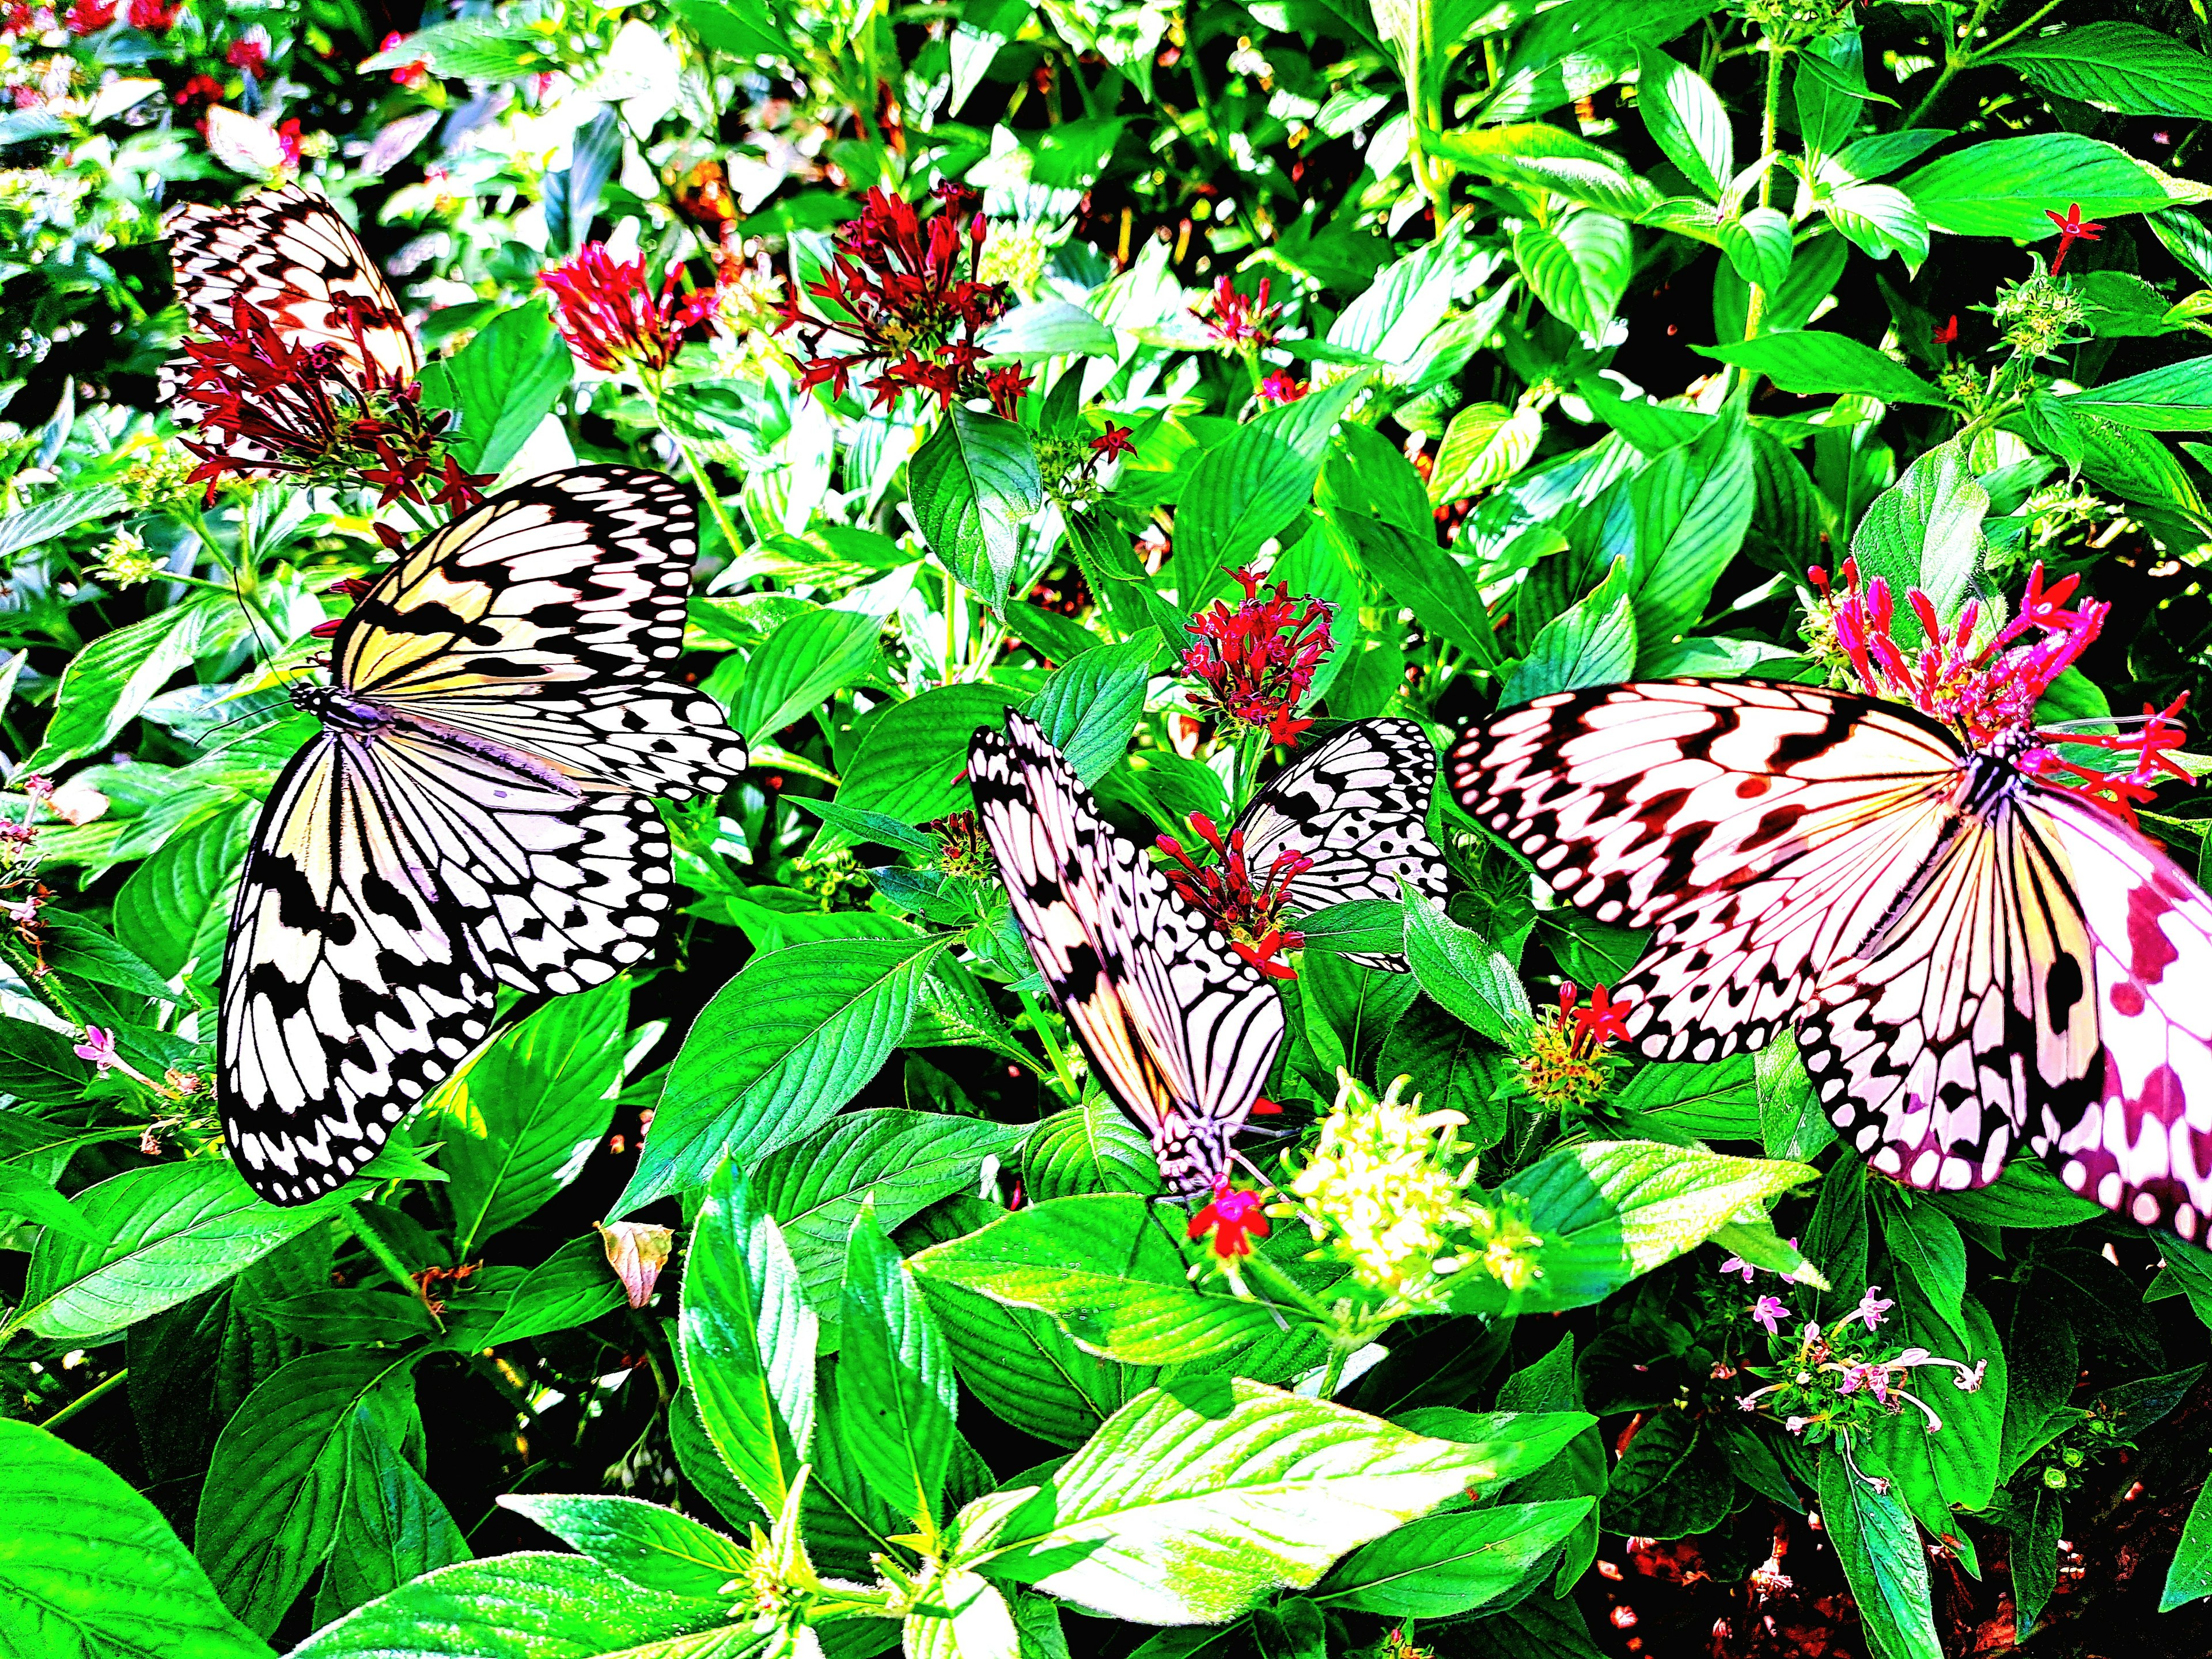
[156, 16]
[268, 406]
[609, 313]
[2070, 231]
[1280, 387]
[249, 53]
[1257, 661]
[409, 75]
[913, 307]
[1234, 1217]
[89, 16]
[1248, 911]
[1989, 693]
[1232, 319]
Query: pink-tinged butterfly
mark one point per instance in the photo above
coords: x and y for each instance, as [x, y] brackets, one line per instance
[1179, 1032]
[1977, 946]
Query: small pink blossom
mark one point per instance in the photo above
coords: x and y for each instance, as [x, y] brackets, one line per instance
[1769, 1311]
[1871, 1307]
[99, 1048]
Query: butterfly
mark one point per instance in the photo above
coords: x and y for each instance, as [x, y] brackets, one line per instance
[476, 812]
[1973, 956]
[1355, 811]
[1179, 1030]
[288, 254]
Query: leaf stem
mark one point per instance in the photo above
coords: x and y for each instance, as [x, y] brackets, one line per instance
[721, 514]
[1063, 1074]
[1754, 311]
[1953, 59]
[103, 1386]
[377, 1247]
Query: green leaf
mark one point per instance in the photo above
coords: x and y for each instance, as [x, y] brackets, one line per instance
[1050, 328]
[521, 1118]
[88, 1569]
[1250, 488]
[108, 683]
[1926, 531]
[1485, 445]
[1609, 1211]
[901, 1162]
[1926, 1242]
[656, 1549]
[2118, 66]
[1879, 220]
[175, 907]
[907, 765]
[1879, 1548]
[1809, 361]
[1578, 266]
[2175, 398]
[2190, 1576]
[1468, 976]
[1592, 643]
[1452, 1564]
[391, 1528]
[1552, 159]
[1829, 87]
[1760, 247]
[1102, 1267]
[786, 1041]
[747, 1340]
[971, 484]
[277, 1483]
[40, 1065]
[1196, 1500]
[570, 1287]
[1427, 579]
[27, 527]
[1686, 118]
[1691, 508]
[474, 48]
[966, 1617]
[728, 28]
[505, 1608]
[1672, 1482]
[797, 667]
[2025, 1194]
[1089, 707]
[896, 1393]
[353, 1318]
[2005, 186]
[153, 1237]
[1089, 1149]
[502, 385]
[1716, 1100]
[1537, 1627]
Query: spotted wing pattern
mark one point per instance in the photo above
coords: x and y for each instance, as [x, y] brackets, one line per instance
[288, 253]
[1358, 806]
[475, 813]
[2142, 1144]
[546, 621]
[1181, 1032]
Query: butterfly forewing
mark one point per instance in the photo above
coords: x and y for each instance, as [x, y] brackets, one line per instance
[546, 621]
[1181, 1032]
[1359, 807]
[2142, 1144]
[288, 253]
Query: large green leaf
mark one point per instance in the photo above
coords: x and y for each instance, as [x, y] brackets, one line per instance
[1250, 487]
[151, 1238]
[1090, 706]
[909, 762]
[1102, 1267]
[501, 385]
[1686, 118]
[660, 1549]
[2120, 66]
[1813, 360]
[1467, 975]
[895, 1392]
[1926, 531]
[391, 1525]
[175, 908]
[747, 1341]
[1578, 266]
[1879, 1548]
[1196, 1500]
[1426, 579]
[795, 668]
[505, 1608]
[276, 1484]
[2008, 187]
[88, 1569]
[519, 1120]
[2175, 398]
[1691, 508]
[783, 1044]
[2190, 1576]
[971, 484]
[1452, 1564]
[108, 683]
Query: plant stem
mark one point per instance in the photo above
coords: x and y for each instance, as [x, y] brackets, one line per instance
[723, 520]
[1754, 311]
[1953, 59]
[1063, 1075]
[1333, 1378]
[85, 1399]
[377, 1247]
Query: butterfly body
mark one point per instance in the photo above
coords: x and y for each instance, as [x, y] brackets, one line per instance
[476, 812]
[1973, 957]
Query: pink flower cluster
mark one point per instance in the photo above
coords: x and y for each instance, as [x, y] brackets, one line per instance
[1248, 910]
[1256, 662]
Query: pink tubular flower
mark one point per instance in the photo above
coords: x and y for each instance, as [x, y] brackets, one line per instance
[611, 316]
[99, 1048]
[1234, 1217]
[89, 16]
[1256, 662]
[1232, 319]
[1989, 692]
[1871, 1307]
[155, 16]
[1769, 1311]
[1247, 910]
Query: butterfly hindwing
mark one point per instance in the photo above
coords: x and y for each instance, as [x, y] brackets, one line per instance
[547, 620]
[2142, 1144]
[1181, 1032]
[1359, 807]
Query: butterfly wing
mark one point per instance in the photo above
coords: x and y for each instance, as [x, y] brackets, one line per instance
[2142, 1143]
[546, 621]
[1178, 1030]
[288, 253]
[394, 881]
[1933, 1049]
[1359, 807]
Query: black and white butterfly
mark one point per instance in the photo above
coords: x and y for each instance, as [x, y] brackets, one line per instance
[1180, 1031]
[477, 811]
[1357, 809]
